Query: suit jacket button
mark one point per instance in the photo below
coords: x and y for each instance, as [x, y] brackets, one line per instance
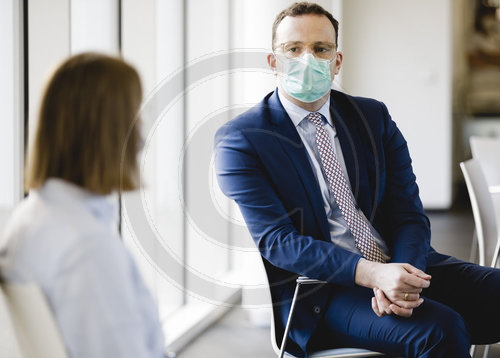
[317, 309]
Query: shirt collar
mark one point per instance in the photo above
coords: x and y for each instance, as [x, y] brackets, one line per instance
[103, 207]
[297, 114]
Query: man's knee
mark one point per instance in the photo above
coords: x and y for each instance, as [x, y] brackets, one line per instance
[445, 335]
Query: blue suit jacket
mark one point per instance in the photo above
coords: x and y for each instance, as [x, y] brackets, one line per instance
[262, 164]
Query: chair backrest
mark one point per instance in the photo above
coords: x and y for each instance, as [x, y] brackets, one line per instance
[9, 345]
[33, 327]
[276, 330]
[486, 151]
[482, 209]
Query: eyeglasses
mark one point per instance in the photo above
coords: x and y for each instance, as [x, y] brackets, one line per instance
[294, 49]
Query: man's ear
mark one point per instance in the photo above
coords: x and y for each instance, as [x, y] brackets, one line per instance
[271, 61]
[338, 62]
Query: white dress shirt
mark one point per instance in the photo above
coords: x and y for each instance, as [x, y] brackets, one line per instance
[63, 239]
[339, 231]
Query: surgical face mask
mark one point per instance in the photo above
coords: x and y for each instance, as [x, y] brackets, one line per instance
[306, 78]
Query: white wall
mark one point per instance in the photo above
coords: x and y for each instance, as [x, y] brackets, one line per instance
[11, 103]
[400, 52]
[94, 26]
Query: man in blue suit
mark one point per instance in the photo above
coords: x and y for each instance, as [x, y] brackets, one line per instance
[325, 184]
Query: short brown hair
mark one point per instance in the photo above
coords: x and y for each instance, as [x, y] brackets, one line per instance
[304, 8]
[87, 132]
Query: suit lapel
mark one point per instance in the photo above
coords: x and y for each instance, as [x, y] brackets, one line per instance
[346, 121]
[288, 137]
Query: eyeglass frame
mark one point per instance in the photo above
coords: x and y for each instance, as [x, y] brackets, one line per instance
[310, 46]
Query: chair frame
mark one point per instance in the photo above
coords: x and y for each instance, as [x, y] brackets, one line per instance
[331, 353]
[479, 219]
[478, 212]
[484, 151]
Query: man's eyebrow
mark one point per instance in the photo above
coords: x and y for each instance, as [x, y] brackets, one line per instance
[314, 43]
[323, 43]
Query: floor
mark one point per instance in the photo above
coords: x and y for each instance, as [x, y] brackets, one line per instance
[235, 336]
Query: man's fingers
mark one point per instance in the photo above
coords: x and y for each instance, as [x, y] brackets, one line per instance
[409, 304]
[415, 271]
[375, 307]
[403, 297]
[407, 296]
[416, 281]
[405, 288]
[400, 311]
[382, 302]
[382, 306]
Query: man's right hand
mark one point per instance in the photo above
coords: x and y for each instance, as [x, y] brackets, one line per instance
[397, 286]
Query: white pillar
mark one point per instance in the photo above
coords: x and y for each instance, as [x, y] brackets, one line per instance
[11, 103]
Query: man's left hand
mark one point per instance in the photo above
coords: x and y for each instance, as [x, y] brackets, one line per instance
[382, 306]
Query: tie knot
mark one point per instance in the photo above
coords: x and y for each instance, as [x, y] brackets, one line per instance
[316, 118]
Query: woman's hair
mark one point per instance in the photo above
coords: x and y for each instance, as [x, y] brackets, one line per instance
[88, 131]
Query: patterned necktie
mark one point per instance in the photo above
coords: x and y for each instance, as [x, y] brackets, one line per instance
[342, 193]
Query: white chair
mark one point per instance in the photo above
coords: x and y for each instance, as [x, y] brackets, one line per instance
[483, 211]
[485, 150]
[28, 327]
[9, 345]
[484, 214]
[277, 336]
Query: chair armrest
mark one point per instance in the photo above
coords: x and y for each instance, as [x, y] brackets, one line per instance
[303, 280]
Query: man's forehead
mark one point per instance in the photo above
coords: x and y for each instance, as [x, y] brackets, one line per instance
[307, 28]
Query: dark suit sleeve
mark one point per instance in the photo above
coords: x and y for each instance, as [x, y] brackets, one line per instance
[406, 226]
[242, 178]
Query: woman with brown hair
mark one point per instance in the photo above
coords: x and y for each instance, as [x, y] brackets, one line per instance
[63, 237]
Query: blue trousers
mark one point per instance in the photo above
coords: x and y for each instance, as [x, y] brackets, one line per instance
[461, 307]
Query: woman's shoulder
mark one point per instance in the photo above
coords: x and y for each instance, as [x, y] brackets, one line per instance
[42, 232]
